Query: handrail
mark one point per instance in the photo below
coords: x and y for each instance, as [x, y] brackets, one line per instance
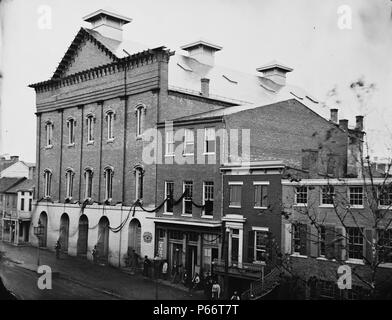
[258, 287]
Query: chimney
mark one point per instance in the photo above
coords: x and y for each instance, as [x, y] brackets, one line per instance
[359, 123]
[275, 71]
[202, 51]
[343, 124]
[108, 24]
[14, 158]
[205, 87]
[334, 115]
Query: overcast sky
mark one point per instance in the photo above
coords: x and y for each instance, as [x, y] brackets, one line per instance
[303, 34]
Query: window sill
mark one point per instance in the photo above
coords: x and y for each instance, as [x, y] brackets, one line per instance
[385, 207]
[188, 154]
[71, 145]
[300, 205]
[355, 261]
[260, 208]
[204, 216]
[356, 207]
[186, 214]
[167, 213]
[169, 155]
[386, 265]
[89, 143]
[326, 206]
[208, 153]
[235, 207]
[49, 146]
[297, 255]
[110, 140]
[139, 137]
[322, 258]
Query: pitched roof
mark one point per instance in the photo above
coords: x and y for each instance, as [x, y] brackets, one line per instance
[25, 185]
[8, 183]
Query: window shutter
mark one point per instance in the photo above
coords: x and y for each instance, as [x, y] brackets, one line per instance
[368, 248]
[340, 243]
[303, 236]
[251, 241]
[329, 241]
[286, 238]
[313, 242]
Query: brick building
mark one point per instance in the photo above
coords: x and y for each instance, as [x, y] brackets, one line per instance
[93, 132]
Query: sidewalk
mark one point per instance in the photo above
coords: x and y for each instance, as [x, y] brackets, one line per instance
[107, 279]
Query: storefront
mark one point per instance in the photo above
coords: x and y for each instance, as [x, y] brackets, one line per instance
[189, 245]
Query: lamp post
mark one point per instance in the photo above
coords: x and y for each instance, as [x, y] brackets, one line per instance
[38, 232]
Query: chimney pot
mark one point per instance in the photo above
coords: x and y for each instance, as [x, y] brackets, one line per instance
[205, 87]
[334, 115]
[359, 123]
[343, 124]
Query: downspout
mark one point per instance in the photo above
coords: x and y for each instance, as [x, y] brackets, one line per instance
[61, 150]
[81, 155]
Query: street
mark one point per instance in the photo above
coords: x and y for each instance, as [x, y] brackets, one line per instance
[77, 279]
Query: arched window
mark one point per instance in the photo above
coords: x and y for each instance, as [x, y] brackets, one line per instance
[69, 176]
[71, 123]
[108, 173]
[140, 111]
[49, 133]
[90, 119]
[110, 122]
[139, 173]
[88, 176]
[47, 182]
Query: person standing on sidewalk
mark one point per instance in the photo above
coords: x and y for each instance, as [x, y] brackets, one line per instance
[164, 270]
[95, 254]
[235, 296]
[58, 248]
[195, 283]
[215, 291]
[146, 266]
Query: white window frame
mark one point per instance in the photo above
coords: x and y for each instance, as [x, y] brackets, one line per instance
[71, 124]
[110, 125]
[88, 192]
[211, 129]
[204, 215]
[49, 134]
[47, 183]
[188, 133]
[108, 173]
[296, 196]
[389, 192]
[139, 120]
[139, 182]
[356, 206]
[165, 207]
[169, 142]
[255, 230]
[90, 128]
[261, 184]
[235, 183]
[69, 177]
[326, 205]
[184, 200]
[354, 260]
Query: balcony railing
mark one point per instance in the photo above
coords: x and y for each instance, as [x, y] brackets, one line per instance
[246, 268]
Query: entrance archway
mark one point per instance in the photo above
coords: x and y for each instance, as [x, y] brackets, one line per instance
[103, 239]
[82, 236]
[64, 232]
[43, 221]
[134, 236]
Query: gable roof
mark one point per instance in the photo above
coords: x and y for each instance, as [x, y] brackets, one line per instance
[8, 183]
[25, 185]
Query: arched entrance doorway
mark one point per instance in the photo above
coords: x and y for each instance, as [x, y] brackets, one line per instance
[43, 221]
[64, 232]
[103, 239]
[134, 236]
[82, 236]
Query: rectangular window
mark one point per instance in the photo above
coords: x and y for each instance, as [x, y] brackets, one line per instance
[385, 196]
[209, 140]
[356, 196]
[169, 149]
[327, 195]
[355, 243]
[208, 198]
[235, 195]
[169, 192]
[71, 131]
[235, 245]
[322, 241]
[90, 129]
[69, 183]
[301, 195]
[110, 122]
[22, 201]
[385, 242]
[89, 183]
[49, 134]
[108, 184]
[189, 142]
[187, 200]
[299, 238]
[261, 242]
[260, 196]
[30, 204]
[48, 182]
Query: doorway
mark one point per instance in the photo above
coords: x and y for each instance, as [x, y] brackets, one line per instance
[64, 232]
[82, 236]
